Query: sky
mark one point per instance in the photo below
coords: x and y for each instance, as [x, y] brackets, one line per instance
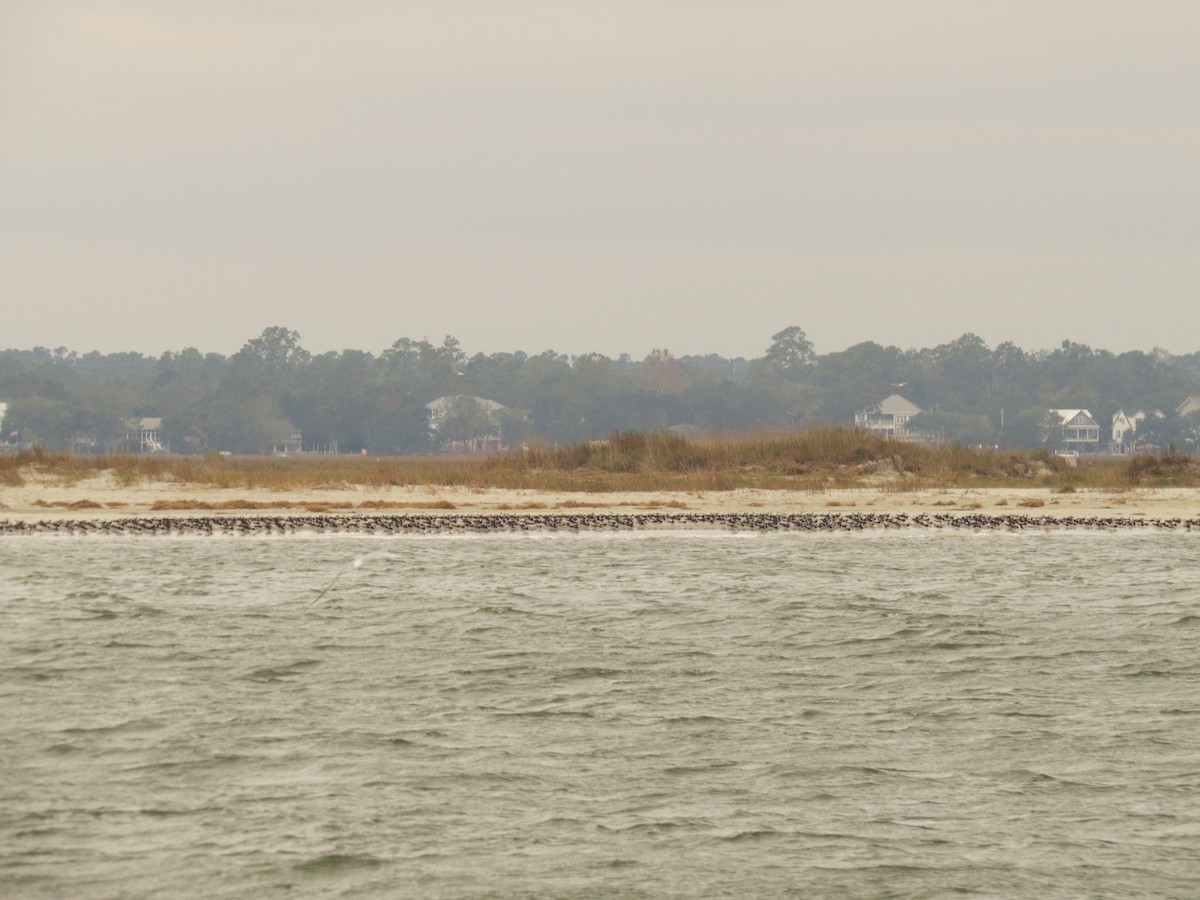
[606, 177]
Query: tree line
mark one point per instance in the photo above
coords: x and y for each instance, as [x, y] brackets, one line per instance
[254, 399]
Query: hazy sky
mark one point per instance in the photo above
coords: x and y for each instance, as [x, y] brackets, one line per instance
[599, 176]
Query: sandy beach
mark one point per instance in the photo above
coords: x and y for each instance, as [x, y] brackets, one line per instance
[101, 497]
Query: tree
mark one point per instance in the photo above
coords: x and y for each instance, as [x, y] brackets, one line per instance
[44, 421]
[465, 419]
[1052, 430]
[662, 373]
[396, 423]
[790, 351]
[1181, 432]
[276, 350]
[857, 378]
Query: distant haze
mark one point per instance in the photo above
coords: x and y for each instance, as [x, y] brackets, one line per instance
[599, 176]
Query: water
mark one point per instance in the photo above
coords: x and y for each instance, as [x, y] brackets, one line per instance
[630, 714]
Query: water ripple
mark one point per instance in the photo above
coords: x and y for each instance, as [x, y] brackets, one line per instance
[899, 714]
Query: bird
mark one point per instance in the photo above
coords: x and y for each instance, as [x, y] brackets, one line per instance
[356, 563]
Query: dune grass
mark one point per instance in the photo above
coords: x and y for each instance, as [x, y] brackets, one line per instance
[813, 460]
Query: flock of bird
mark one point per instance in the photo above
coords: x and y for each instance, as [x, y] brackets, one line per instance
[490, 522]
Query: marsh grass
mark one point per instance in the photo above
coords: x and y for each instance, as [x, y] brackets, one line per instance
[814, 460]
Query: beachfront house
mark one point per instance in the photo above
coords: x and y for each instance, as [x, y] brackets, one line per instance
[1074, 429]
[464, 424]
[144, 435]
[292, 445]
[889, 418]
[1124, 429]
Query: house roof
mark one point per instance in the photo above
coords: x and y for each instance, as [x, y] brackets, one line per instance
[441, 404]
[897, 405]
[143, 423]
[1188, 406]
[1070, 415]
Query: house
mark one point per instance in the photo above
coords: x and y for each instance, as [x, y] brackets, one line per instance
[292, 445]
[1188, 406]
[889, 418]
[1079, 433]
[464, 424]
[144, 435]
[1124, 427]
[84, 442]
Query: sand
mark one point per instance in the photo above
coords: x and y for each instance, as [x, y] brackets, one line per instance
[102, 497]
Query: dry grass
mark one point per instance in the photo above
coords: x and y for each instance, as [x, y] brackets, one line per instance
[68, 504]
[309, 505]
[1032, 503]
[206, 505]
[817, 460]
[407, 504]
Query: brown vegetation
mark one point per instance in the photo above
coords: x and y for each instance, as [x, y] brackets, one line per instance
[68, 504]
[811, 460]
[1168, 469]
[308, 505]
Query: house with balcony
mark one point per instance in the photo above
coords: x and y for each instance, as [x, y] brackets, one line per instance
[144, 435]
[464, 424]
[1074, 429]
[889, 418]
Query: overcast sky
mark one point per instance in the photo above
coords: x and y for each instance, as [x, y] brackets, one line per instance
[599, 176]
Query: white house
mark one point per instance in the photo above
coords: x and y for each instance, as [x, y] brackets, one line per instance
[1080, 432]
[292, 445]
[144, 435]
[1124, 427]
[889, 418]
[480, 442]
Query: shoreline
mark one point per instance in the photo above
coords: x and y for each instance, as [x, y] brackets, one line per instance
[88, 504]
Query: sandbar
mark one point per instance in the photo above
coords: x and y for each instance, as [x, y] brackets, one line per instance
[102, 497]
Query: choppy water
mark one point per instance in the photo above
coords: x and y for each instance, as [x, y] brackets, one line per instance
[637, 714]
